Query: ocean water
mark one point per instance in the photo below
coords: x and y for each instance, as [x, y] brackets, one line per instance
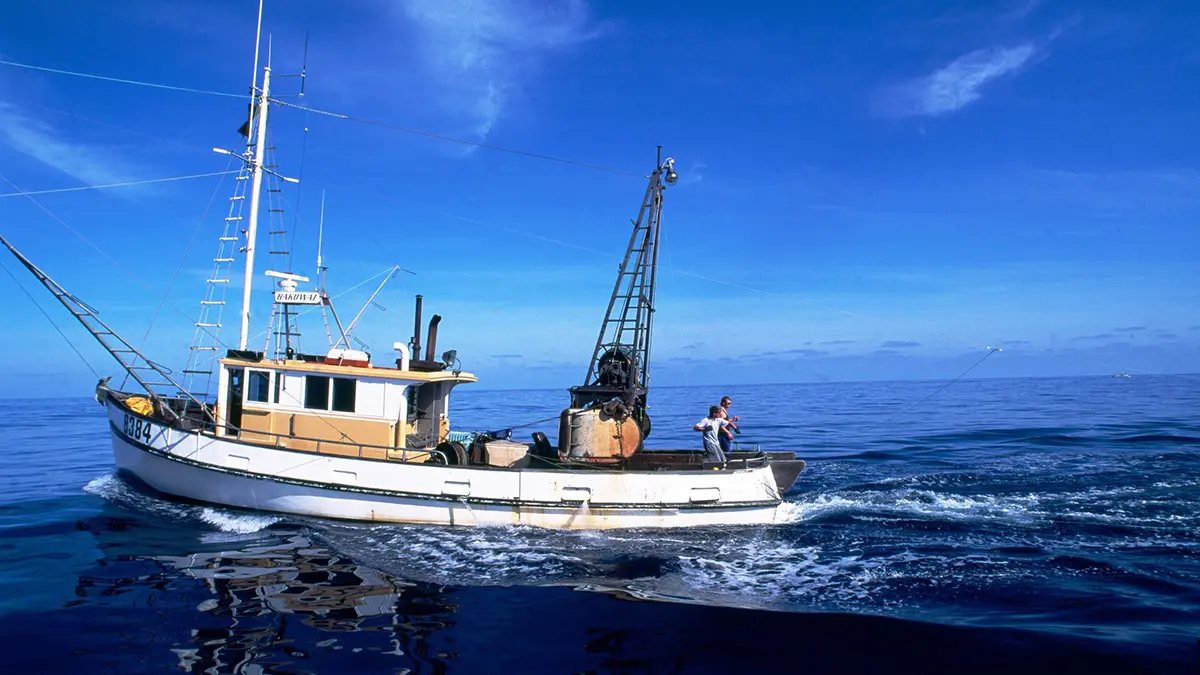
[1045, 525]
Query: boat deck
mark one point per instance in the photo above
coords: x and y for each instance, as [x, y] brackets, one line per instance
[784, 465]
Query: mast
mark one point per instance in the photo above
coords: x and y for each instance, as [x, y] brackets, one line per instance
[620, 364]
[256, 172]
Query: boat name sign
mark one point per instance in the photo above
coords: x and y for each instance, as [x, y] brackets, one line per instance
[297, 297]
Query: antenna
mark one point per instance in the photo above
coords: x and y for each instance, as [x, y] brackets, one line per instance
[304, 64]
[257, 42]
[321, 235]
[348, 333]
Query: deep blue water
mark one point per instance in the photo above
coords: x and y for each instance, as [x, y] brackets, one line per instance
[1045, 525]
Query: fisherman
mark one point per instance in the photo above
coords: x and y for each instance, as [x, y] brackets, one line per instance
[712, 427]
[726, 435]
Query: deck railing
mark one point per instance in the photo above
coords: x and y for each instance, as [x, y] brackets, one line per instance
[276, 440]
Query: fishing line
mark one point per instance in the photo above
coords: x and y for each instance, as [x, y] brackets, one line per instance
[991, 350]
[694, 275]
[530, 235]
[92, 76]
[60, 331]
[452, 139]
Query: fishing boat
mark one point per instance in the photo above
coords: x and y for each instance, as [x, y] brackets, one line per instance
[340, 434]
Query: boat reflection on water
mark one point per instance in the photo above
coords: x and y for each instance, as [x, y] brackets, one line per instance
[255, 588]
[273, 604]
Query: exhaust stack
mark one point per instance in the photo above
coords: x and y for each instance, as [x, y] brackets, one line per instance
[431, 348]
[415, 343]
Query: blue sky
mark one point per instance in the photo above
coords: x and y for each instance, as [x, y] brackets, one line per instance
[869, 192]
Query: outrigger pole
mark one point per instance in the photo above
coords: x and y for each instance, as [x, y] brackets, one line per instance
[133, 361]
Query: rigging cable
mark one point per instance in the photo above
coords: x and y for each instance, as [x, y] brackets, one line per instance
[452, 139]
[291, 247]
[182, 259]
[360, 284]
[114, 261]
[60, 331]
[92, 76]
[112, 185]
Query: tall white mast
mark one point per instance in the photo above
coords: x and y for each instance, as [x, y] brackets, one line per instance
[256, 172]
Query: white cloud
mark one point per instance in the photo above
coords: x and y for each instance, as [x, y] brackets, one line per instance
[89, 164]
[479, 50]
[955, 85]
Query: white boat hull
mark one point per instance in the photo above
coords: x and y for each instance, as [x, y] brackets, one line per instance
[225, 471]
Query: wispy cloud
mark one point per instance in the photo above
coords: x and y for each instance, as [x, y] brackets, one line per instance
[89, 164]
[954, 85]
[898, 344]
[795, 352]
[1085, 338]
[480, 51]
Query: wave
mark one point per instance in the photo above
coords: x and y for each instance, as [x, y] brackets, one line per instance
[228, 521]
[236, 523]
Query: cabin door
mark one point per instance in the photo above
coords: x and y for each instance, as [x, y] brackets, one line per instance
[233, 400]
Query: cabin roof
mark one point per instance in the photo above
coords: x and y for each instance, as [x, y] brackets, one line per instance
[352, 371]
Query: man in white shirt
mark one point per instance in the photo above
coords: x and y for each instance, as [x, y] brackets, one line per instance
[711, 426]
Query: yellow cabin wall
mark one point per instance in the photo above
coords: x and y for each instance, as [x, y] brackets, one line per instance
[325, 428]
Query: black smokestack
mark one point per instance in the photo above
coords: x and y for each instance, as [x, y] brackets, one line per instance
[432, 347]
[415, 343]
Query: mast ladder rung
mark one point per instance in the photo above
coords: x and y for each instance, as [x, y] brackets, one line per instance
[228, 239]
[280, 253]
[230, 219]
[237, 198]
[198, 372]
[218, 281]
[208, 325]
[202, 348]
[222, 260]
[242, 177]
[274, 210]
[277, 232]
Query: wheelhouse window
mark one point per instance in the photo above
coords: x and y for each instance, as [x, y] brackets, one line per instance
[344, 390]
[278, 386]
[316, 392]
[258, 383]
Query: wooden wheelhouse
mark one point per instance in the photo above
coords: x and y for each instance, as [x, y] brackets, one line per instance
[379, 412]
